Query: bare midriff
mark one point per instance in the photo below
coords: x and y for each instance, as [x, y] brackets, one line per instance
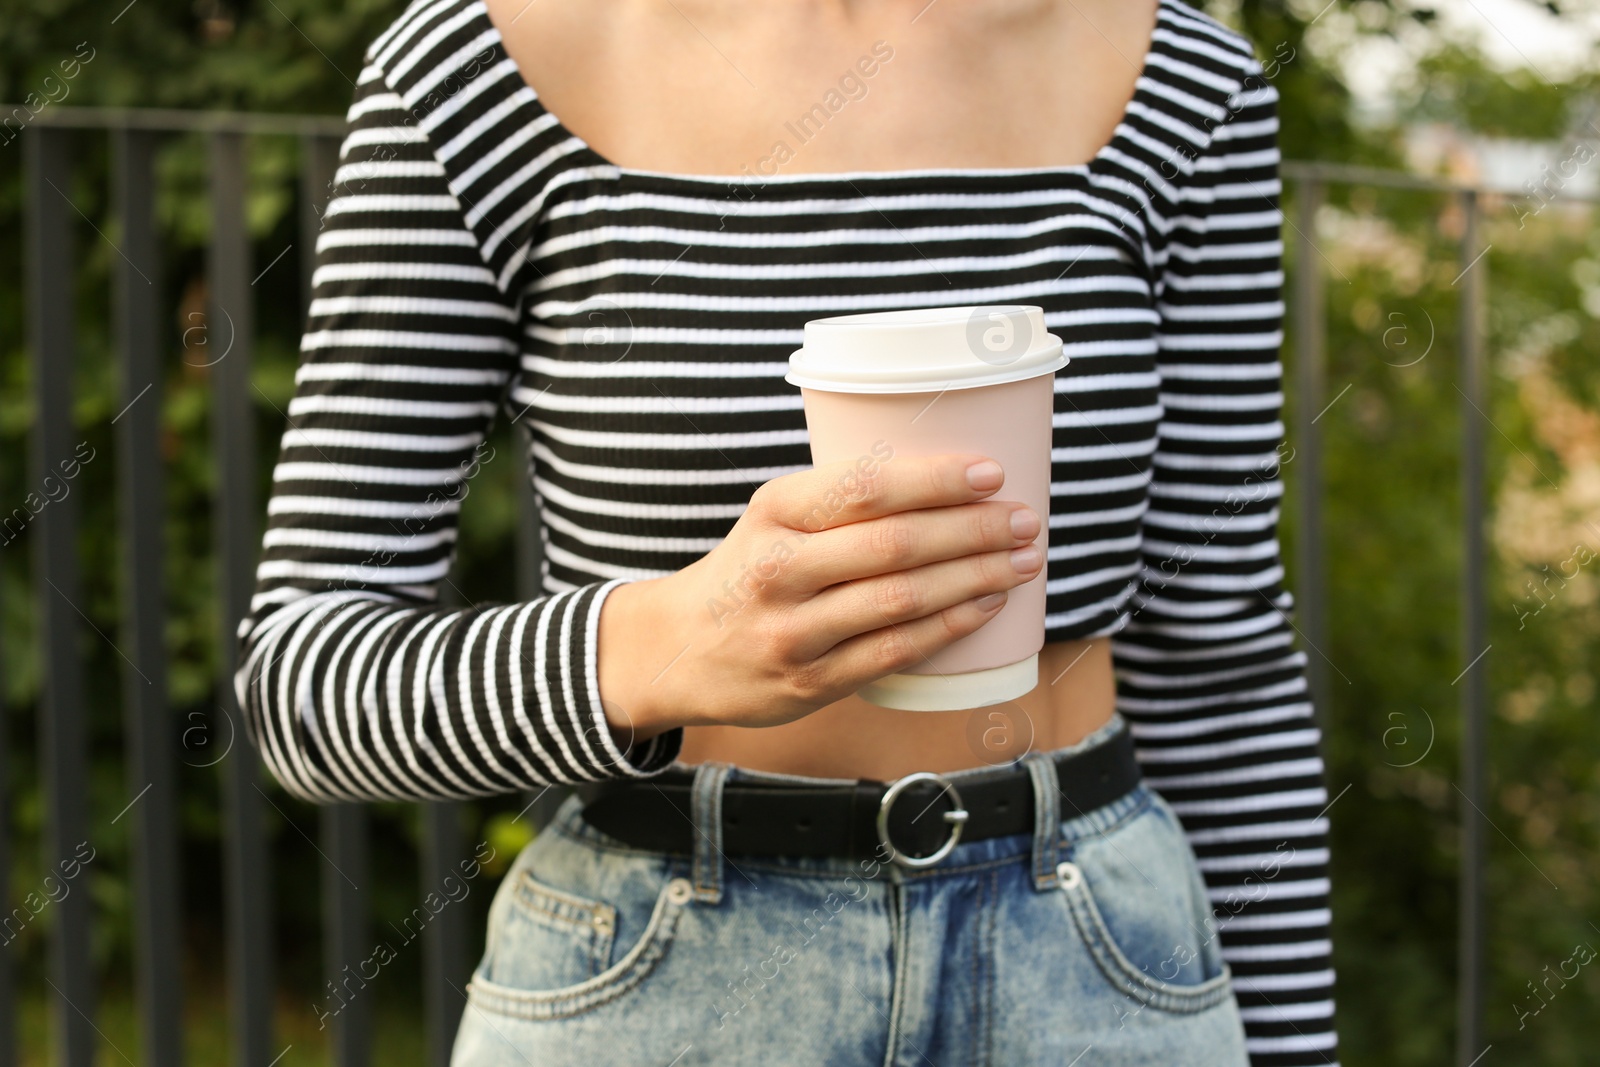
[851, 738]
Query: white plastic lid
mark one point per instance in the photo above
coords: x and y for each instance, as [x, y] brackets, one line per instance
[926, 350]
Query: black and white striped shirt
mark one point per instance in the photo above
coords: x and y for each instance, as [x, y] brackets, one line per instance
[477, 256]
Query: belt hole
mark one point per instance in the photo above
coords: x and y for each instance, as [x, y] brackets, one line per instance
[804, 824]
[1004, 805]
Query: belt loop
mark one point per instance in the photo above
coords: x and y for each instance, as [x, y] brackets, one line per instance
[1046, 818]
[705, 810]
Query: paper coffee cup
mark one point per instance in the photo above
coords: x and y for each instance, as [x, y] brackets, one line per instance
[939, 380]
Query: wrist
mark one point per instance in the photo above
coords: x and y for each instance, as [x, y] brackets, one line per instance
[634, 704]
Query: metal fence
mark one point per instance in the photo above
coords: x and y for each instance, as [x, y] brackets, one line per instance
[1307, 320]
[48, 273]
[50, 145]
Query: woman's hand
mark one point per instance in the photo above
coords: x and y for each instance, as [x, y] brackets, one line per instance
[832, 578]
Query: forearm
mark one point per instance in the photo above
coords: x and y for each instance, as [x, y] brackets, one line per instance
[356, 698]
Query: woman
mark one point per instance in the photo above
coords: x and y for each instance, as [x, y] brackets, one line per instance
[622, 261]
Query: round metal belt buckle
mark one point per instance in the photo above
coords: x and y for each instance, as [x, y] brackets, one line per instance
[956, 817]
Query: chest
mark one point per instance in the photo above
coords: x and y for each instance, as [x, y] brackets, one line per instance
[706, 89]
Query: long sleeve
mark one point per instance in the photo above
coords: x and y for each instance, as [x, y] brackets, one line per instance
[354, 684]
[1207, 672]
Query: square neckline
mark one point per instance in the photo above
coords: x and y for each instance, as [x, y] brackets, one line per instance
[1119, 135]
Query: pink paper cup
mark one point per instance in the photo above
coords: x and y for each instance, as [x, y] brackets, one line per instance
[939, 380]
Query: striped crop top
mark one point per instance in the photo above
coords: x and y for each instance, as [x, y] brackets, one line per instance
[479, 258]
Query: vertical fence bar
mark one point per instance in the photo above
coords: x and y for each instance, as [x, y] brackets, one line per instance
[1475, 634]
[63, 736]
[229, 340]
[151, 769]
[345, 915]
[446, 963]
[1309, 318]
[344, 930]
[8, 978]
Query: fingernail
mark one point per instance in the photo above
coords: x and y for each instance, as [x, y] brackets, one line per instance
[1024, 523]
[985, 475]
[1025, 560]
[990, 602]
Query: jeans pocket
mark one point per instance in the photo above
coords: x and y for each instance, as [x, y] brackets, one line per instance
[555, 953]
[1136, 898]
[549, 937]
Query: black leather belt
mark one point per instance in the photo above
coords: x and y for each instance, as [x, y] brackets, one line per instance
[915, 820]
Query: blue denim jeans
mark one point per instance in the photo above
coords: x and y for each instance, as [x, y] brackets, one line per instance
[1088, 942]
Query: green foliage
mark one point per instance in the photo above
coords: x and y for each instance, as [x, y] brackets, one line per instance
[197, 54]
[261, 63]
[1392, 524]
[1456, 87]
